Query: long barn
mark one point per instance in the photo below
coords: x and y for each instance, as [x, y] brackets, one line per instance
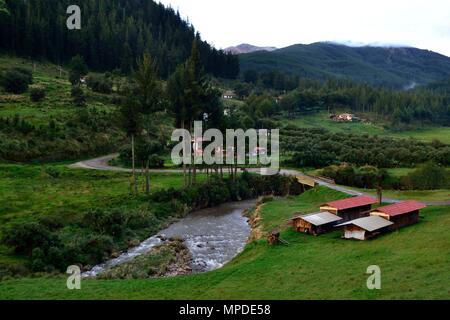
[350, 208]
[400, 214]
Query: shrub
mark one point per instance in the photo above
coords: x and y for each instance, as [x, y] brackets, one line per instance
[78, 97]
[97, 248]
[52, 171]
[16, 81]
[78, 69]
[429, 176]
[107, 222]
[101, 84]
[37, 93]
[155, 161]
[28, 236]
[37, 260]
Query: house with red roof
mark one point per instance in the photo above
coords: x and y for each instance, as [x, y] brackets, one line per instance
[400, 214]
[350, 208]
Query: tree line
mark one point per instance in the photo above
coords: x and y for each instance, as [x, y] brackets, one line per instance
[319, 148]
[112, 35]
[424, 104]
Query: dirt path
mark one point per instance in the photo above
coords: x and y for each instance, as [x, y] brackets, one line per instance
[102, 163]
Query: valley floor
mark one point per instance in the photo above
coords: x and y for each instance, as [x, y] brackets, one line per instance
[321, 120]
[414, 265]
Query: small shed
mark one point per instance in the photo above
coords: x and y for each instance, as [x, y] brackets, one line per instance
[315, 223]
[365, 228]
[350, 208]
[401, 214]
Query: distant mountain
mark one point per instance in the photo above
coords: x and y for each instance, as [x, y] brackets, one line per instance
[247, 48]
[397, 67]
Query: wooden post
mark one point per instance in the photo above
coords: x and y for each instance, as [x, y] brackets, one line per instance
[147, 179]
[184, 164]
[133, 165]
[379, 194]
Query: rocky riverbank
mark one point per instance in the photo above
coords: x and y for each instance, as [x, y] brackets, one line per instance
[172, 258]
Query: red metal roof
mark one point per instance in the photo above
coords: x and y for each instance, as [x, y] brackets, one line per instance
[351, 202]
[401, 208]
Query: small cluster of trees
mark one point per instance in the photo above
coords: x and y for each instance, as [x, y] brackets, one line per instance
[428, 176]
[189, 96]
[361, 177]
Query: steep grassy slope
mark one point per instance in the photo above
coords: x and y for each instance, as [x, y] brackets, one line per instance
[414, 265]
[54, 128]
[393, 67]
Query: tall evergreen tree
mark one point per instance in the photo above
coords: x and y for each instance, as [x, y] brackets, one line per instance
[149, 95]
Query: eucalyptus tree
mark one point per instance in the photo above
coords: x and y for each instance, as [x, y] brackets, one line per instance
[149, 96]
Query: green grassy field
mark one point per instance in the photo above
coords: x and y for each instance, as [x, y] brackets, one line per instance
[419, 195]
[28, 192]
[426, 133]
[414, 265]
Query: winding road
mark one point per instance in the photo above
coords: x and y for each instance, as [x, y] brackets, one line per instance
[102, 163]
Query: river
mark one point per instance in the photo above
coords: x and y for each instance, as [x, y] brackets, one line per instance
[214, 236]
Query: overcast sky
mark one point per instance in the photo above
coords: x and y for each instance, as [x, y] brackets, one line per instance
[420, 23]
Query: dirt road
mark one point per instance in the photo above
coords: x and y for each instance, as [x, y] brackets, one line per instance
[102, 163]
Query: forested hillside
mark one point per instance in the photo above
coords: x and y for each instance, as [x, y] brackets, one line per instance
[421, 105]
[395, 67]
[113, 34]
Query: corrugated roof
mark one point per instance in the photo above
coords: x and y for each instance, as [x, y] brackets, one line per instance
[319, 218]
[401, 208]
[351, 202]
[371, 223]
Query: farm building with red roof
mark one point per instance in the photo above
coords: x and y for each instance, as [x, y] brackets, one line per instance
[401, 214]
[350, 208]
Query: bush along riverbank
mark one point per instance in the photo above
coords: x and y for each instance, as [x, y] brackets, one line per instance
[172, 258]
[50, 244]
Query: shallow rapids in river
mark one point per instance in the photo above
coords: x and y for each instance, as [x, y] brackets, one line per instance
[214, 236]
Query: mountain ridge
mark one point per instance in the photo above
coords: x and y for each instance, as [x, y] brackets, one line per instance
[247, 48]
[390, 66]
